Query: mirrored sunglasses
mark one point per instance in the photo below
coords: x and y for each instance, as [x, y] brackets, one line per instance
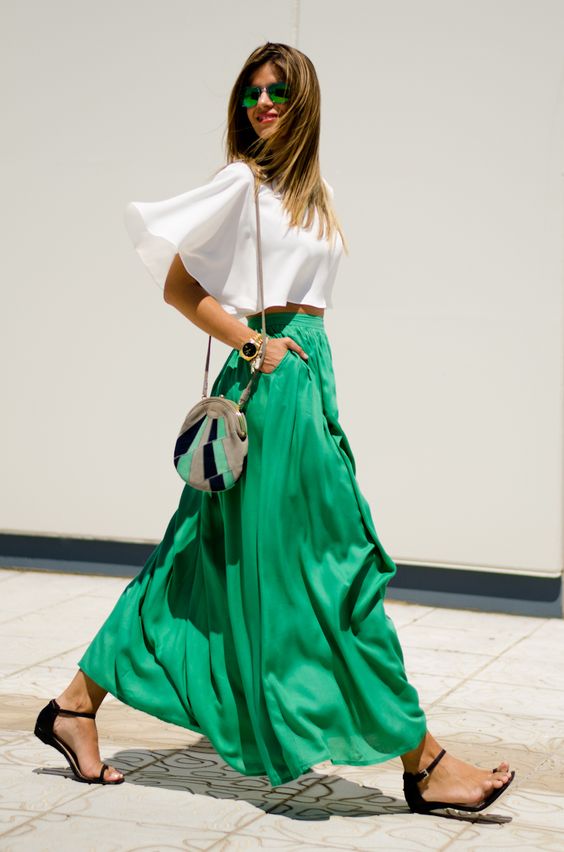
[278, 93]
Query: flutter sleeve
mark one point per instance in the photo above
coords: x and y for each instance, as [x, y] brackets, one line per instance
[212, 228]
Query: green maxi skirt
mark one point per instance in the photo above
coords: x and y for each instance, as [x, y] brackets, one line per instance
[259, 619]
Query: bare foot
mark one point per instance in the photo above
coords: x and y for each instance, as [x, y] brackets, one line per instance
[81, 735]
[85, 696]
[452, 780]
[455, 781]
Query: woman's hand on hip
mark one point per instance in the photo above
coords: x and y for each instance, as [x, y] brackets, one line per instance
[276, 348]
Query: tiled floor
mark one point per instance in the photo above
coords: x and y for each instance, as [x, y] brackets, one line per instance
[492, 686]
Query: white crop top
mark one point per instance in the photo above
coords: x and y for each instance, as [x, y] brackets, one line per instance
[213, 229]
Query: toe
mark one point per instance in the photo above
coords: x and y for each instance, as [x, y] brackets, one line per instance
[112, 774]
[501, 778]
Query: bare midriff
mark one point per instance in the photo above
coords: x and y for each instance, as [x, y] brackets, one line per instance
[294, 308]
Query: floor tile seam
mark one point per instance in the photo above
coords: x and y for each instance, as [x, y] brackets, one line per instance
[46, 630]
[17, 575]
[291, 796]
[345, 845]
[524, 788]
[105, 747]
[510, 714]
[264, 812]
[449, 844]
[436, 647]
[18, 740]
[20, 825]
[513, 683]
[241, 831]
[40, 609]
[414, 620]
[499, 826]
[474, 677]
[235, 831]
[455, 838]
[454, 651]
[241, 828]
[20, 672]
[475, 674]
[542, 623]
[524, 775]
[44, 661]
[106, 819]
[39, 666]
[479, 667]
[313, 783]
[59, 811]
[448, 692]
[41, 813]
[32, 813]
[464, 629]
[498, 629]
[146, 765]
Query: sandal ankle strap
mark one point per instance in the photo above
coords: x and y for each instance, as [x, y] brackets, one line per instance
[62, 712]
[424, 773]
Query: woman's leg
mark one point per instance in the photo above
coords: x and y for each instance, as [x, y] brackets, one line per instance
[84, 695]
[452, 780]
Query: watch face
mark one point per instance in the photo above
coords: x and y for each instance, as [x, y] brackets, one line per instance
[249, 348]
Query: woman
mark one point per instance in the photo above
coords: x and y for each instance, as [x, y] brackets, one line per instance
[259, 618]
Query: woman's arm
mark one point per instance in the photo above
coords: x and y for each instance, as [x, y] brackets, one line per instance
[183, 292]
[188, 296]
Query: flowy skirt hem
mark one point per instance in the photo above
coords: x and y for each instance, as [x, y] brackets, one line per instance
[275, 778]
[259, 620]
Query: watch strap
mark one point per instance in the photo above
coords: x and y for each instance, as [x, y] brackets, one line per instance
[257, 341]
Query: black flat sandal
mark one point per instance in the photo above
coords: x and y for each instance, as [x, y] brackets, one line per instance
[418, 805]
[44, 730]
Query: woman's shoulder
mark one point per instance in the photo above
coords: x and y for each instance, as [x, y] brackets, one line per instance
[239, 173]
[236, 172]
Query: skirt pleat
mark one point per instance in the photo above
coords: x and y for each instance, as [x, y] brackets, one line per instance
[259, 619]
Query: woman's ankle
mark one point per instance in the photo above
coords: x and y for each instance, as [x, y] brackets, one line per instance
[82, 695]
[422, 755]
[70, 701]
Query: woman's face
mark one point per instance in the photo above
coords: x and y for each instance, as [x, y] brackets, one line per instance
[264, 116]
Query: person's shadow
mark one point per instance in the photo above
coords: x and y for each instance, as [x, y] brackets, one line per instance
[200, 771]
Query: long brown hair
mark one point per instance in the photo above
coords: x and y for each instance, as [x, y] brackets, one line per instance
[290, 155]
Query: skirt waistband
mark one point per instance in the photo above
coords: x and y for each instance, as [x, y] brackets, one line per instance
[281, 319]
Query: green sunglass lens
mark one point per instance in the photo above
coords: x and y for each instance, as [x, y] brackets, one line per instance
[279, 93]
[250, 97]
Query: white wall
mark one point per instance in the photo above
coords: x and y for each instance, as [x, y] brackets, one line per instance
[443, 131]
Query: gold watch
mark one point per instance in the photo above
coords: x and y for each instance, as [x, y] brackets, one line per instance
[251, 348]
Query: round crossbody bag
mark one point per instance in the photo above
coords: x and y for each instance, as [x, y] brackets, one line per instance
[210, 452]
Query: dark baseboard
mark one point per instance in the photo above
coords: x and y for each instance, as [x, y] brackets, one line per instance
[67, 554]
[428, 585]
[481, 590]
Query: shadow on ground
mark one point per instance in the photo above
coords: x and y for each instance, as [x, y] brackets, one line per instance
[199, 770]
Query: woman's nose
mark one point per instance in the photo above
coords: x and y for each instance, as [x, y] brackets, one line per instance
[264, 99]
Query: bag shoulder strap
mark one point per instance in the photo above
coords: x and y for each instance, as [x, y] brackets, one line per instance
[245, 395]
